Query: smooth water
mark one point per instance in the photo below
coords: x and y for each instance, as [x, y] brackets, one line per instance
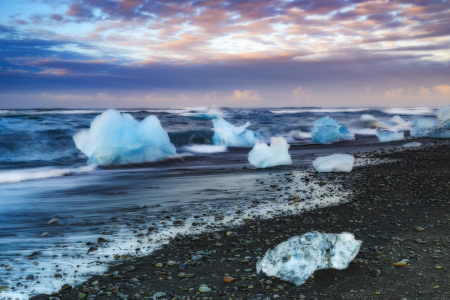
[52, 203]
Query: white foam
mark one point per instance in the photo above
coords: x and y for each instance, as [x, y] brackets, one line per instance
[317, 110]
[19, 175]
[409, 111]
[205, 148]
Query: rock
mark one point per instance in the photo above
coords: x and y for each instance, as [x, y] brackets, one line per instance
[81, 295]
[228, 279]
[401, 263]
[171, 263]
[133, 280]
[102, 240]
[92, 249]
[4, 288]
[66, 287]
[375, 272]
[197, 257]
[421, 241]
[159, 294]
[130, 268]
[420, 229]
[177, 222]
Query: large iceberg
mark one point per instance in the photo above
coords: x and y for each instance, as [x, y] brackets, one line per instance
[389, 136]
[442, 129]
[424, 123]
[422, 127]
[296, 259]
[229, 135]
[264, 156]
[115, 138]
[334, 163]
[326, 130]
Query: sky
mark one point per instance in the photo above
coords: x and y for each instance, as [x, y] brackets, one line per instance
[237, 53]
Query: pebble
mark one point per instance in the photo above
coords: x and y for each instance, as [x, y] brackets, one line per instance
[420, 229]
[228, 279]
[375, 272]
[204, 289]
[171, 263]
[81, 295]
[421, 241]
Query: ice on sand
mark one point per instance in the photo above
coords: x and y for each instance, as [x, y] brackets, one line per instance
[413, 144]
[229, 135]
[115, 138]
[326, 130]
[442, 129]
[334, 163]
[389, 136]
[296, 259]
[264, 156]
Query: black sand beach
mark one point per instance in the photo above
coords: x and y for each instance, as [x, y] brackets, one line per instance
[400, 210]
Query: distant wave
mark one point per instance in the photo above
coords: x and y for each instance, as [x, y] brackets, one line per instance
[204, 148]
[41, 173]
[46, 112]
[409, 111]
[317, 110]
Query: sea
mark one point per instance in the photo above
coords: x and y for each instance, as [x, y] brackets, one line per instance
[54, 206]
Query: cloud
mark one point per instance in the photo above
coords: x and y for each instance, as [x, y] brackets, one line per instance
[442, 89]
[302, 92]
[246, 95]
[424, 91]
[394, 93]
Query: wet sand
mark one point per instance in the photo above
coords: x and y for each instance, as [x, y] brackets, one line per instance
[399, 210]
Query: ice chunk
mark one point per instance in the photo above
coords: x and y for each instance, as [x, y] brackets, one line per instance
[115, 138]
[326, 130]
[413, 144]
[334, 163]
[228, 135]
[296, 259]
[424, 123]
[264, 156]
[389, 136]
[443, 114]
[419, 132]
[440, 131]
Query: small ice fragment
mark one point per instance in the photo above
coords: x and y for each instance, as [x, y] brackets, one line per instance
[326, 130]
[413, 144]
[389, 136]
[119, 138]
[424, 123]
[264, 156]
[229, 135]
[334, 163]
[296, 259]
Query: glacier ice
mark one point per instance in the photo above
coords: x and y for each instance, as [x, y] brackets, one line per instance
[424, 123]
[229, 135]
[419, 132]
[443, 113]
[334, 163]
[413, 144]
[326, 130]
[264, 156]
[296, 259]
[442, 129]
[389, 136]
[115, 138]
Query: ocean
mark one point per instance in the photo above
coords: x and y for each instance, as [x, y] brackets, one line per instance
[54, 206]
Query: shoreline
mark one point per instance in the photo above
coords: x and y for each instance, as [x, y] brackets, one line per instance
[253, 239]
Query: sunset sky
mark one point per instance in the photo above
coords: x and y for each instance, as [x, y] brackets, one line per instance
[239, 53]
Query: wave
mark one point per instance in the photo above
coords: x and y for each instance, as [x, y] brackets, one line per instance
[41, 173]
[317, 110]
[204, 148]
[409, 111]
